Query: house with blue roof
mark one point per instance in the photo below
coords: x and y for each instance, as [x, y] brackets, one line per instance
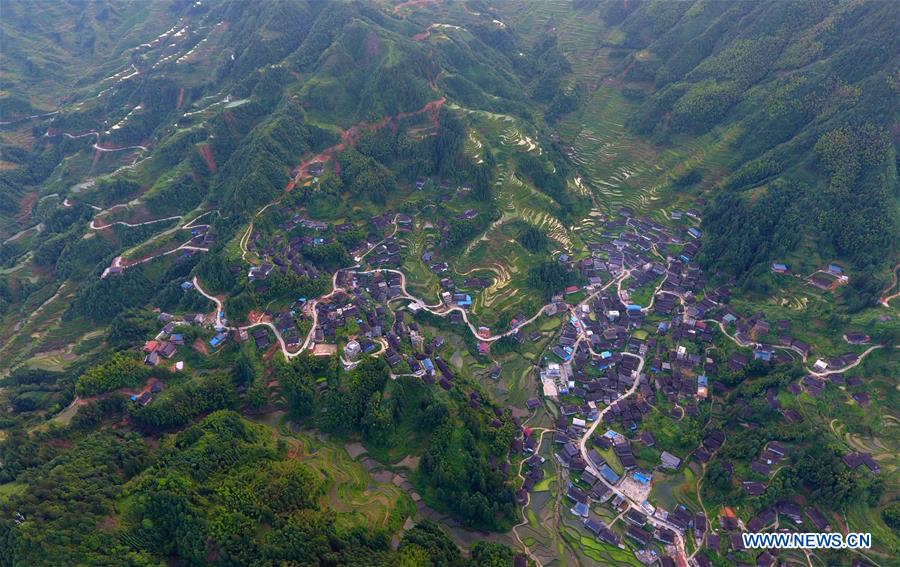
[581, 509]
[641, 477]
[187, 286]
[218, 339]
[607, 473]
[764, 355]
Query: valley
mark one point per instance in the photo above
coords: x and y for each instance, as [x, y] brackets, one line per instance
[447, 283]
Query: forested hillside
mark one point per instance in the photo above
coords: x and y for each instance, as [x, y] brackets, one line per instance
[446, 282]
[811, 90]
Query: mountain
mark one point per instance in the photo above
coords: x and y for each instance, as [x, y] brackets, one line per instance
[359, 282]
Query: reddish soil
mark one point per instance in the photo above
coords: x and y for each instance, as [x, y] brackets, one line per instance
[413, 4]
[270, 353]
[180, 98]
[254, 317]
[206, 154]
[60, 443]
[109, 524]
[200, 347]
[229, 119]
[25, 205]
[350, 137]
[125, 391]
[153, 254]
[97, 154]
[149, 384]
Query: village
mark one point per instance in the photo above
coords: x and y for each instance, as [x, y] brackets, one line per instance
[613, 367]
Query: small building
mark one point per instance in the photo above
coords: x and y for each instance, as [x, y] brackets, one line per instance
[218, 339]
[152, 359]
[143, 399]
[638, 535]
[669, 461]
[352, 350]
[167, 349]
[856, 338]
[608, 474]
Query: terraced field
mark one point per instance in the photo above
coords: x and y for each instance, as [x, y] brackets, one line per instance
[353, 493]
[496, 254]
[577, 32]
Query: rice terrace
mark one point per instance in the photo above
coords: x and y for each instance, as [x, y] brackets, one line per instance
[528, 283]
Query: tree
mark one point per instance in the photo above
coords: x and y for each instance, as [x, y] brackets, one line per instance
[489, 554]
[549, 277]
[891, 516]
[116, 371]
[533, 239]
[428, 537]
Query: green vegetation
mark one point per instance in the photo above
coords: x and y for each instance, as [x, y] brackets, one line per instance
[290, 158]
[116, 371]
[550, 278]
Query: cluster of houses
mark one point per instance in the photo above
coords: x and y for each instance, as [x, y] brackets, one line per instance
[145, 396]
[165, 344]
[201, 237]
[825, 279]
[814, 385]
[156, 350]
[595, 360]
[362, 300]
[285, 252]
[784, 513]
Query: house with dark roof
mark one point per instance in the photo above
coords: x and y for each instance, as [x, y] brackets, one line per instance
[638, 534]
[754, 488]
[817, 519]
[635, 517]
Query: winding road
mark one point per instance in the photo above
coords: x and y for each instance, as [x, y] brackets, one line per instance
[885, 299]
[848, 367]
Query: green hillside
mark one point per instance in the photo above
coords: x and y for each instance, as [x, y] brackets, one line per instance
[446, 282]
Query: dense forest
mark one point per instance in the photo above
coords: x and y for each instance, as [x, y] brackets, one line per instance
[289, 159]
[809, 85]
